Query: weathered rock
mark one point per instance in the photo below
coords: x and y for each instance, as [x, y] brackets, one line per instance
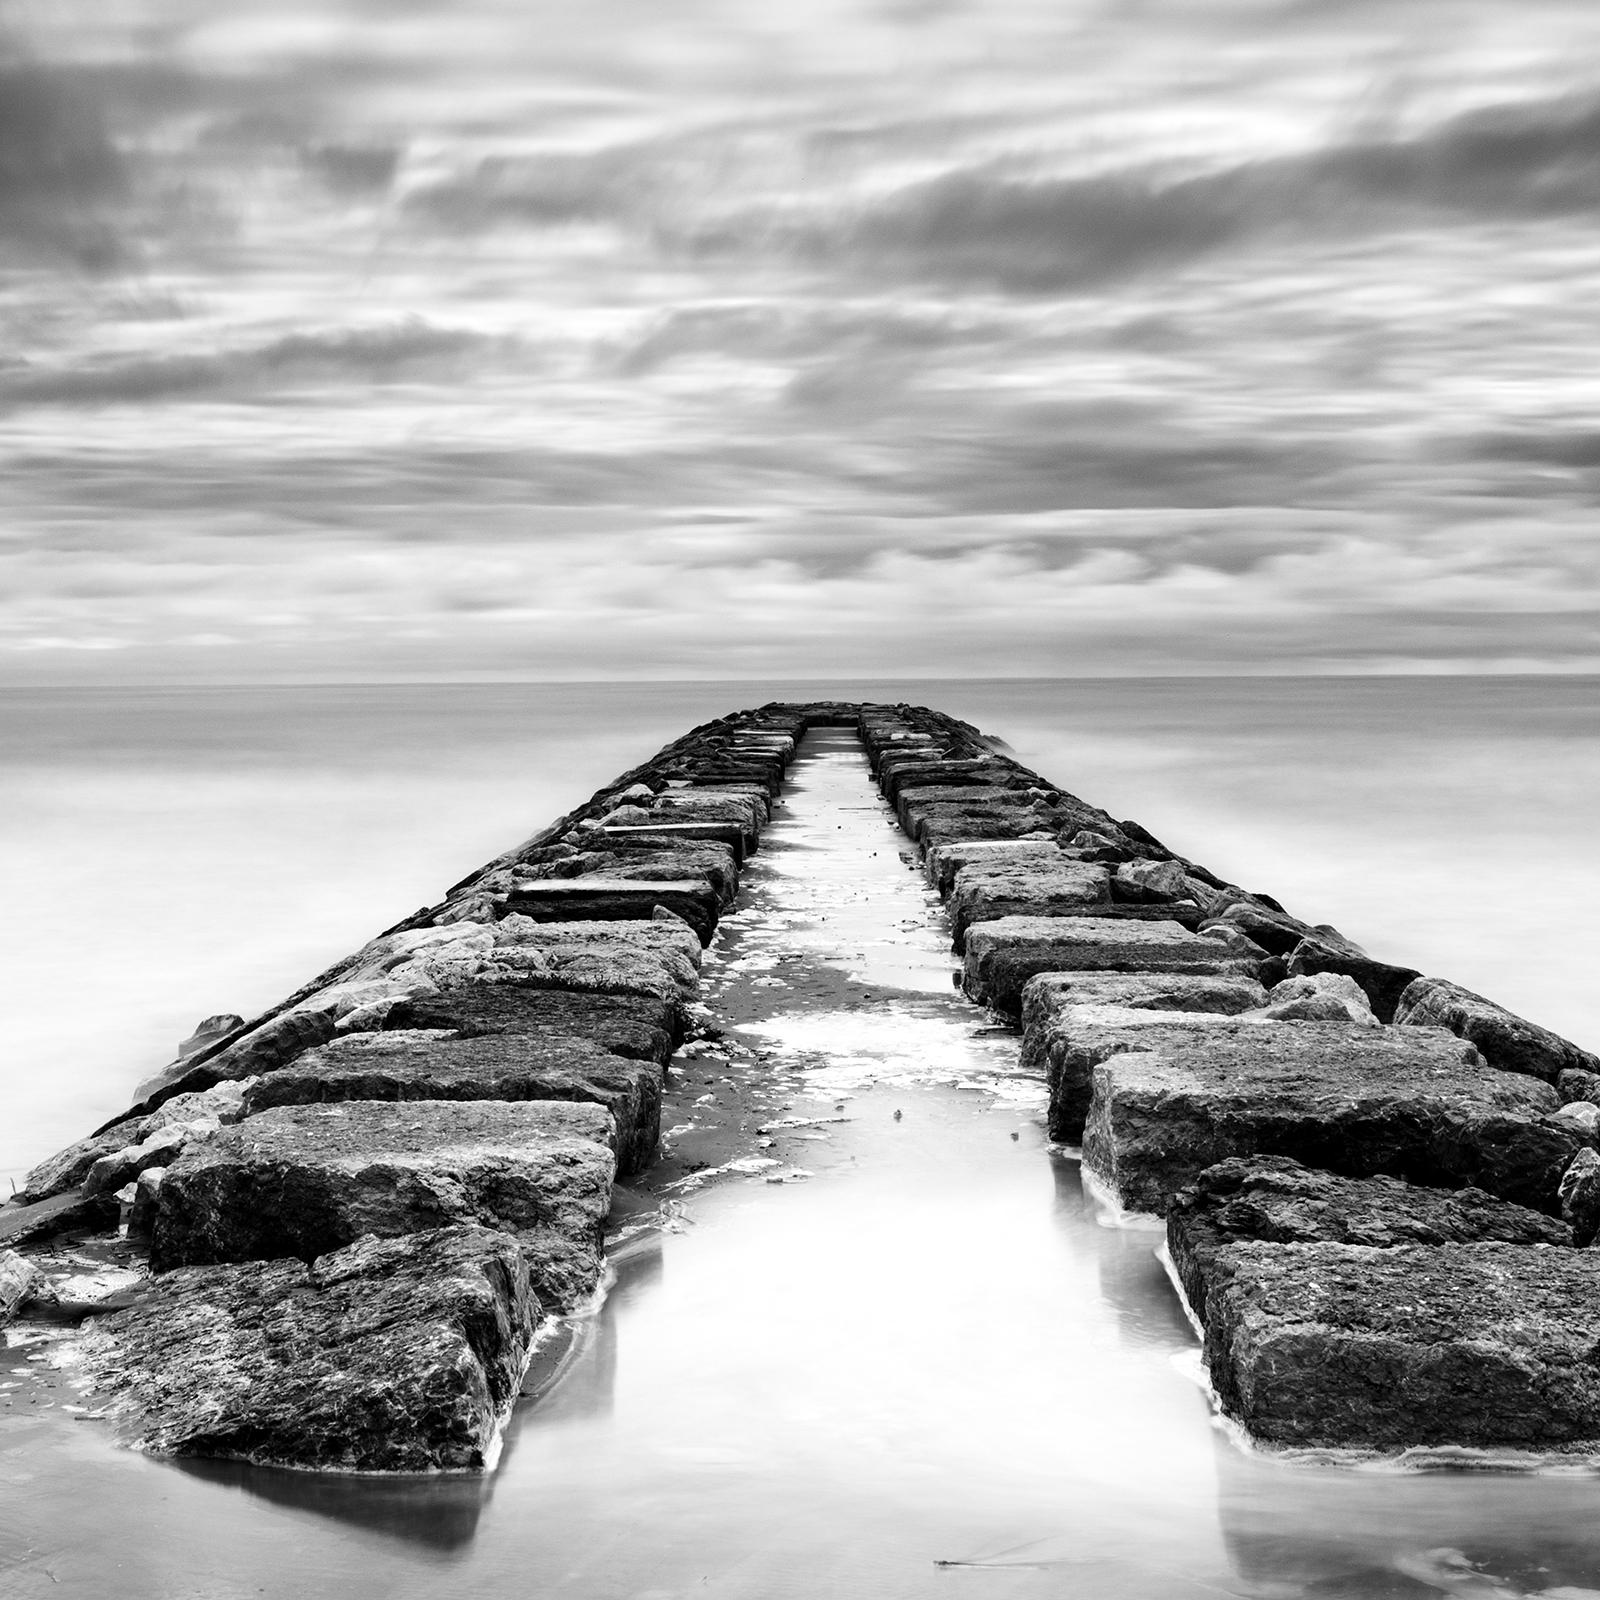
[1412, 1103]
[1274, 930]
[19, 1281]
[602, 898]
[302, 1180]
[417, 1065]
[1577, 1084]
[1507, 1041]
[392, 1355]
[1485, 1346]
[985, 891]
[640, 1027]
[1092, 844]
[1329, 951]
[61, 1213]
[728, 834]
[747, 811]
[1079, 1037]
[222, 1103]
[1143, 879]
[1002, 955]
[68, 1168]
[1579, 1194]
[1048, 993]
[944, 861]
[1278, 1201]
[208, 1031]
[163, 1146]
[1238, 943]
[654, 860]
[1320, 997]
[1581, 1117]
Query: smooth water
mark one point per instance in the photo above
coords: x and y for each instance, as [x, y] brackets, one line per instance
[897, 1352]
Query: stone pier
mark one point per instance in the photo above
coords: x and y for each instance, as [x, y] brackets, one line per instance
[356, 1214]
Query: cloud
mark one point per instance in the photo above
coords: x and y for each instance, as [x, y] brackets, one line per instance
[58, 168]
[1001, 225]
[388, 353]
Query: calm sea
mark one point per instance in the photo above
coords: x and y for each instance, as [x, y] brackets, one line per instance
[170, 853]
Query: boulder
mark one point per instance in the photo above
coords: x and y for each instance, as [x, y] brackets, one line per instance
[1270, 927]
[162, 1147]
[985, 891]
[1002, 955]
[1278, 1201]
[208, 1031]
[429, 1065]
[391, 1355]
[1579, 1194]
[1320, 997]
[623, 836]
[303, 1180]
[1142, 879]
[1329, 951]
[19, 1281]
[1345, 1346]
[67, 1212]
[1411, 1103]
[68, 1168]
[653, 860]
[1576, 1084]
[1507, 1041]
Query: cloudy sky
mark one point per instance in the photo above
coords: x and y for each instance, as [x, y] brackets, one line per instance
[373, 337]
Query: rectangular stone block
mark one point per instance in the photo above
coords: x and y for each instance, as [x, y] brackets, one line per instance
[657, 860]
[641, 1027]
[1002, 955]
[1509, 1042]
[730, 834]
[986, 891]
[598, 897]
[944, 861]
[1278, 1201]
[1413, 1104]
[1483, 1346]
[392, 1355]
[304, 1180]
[429, 1065]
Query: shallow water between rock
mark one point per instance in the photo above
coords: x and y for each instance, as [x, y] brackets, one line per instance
[868, 1336]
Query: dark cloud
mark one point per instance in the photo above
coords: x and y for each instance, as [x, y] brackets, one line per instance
[354, 169]
[58, 168]
[540, 191]
[996, 224]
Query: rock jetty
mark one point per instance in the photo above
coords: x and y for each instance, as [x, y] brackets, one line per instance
[359, 1212]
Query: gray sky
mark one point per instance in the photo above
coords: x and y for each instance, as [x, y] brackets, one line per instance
[371, 337]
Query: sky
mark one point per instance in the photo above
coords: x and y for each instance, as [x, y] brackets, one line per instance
[390, 338]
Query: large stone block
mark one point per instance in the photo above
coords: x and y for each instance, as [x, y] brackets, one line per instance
[1484, 1346]
[601, 897]
[303, 1180]
[1080, 1037]
[1002, 955]
[730, 835]
[944, 861]
[641, 1027]
[1411, 1103]
[1507, 1041]
[428, 1065]
[655, 860]
[1277, 1201]
[986, 891]
[392, 1355]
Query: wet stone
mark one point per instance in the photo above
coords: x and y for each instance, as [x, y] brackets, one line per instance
[986, 891]
[303, 1180]
[425, 1065]
[1002, 955]
[1414, 1104]
[1507, 1041]
[1278, 1201]
[1483, 1346]
[944, 861]
[599, 897]
[392, 1355]
[640, 1027]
